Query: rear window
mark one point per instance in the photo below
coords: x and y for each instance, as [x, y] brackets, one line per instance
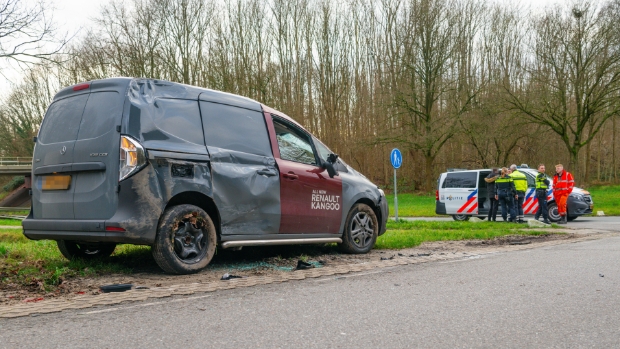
[102, 110]
[235, 129]
[62, 120]
[460, 180]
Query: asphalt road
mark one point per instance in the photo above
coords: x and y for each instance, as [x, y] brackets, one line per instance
[610, 223]
[561, 296]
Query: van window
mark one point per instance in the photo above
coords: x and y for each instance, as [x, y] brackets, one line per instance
[179, 118]
[235, 128]
[460, 180]
[294, 145]
[62, 120]
[102, 110]
[531, 181]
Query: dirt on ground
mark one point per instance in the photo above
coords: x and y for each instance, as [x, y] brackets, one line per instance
[256, 261]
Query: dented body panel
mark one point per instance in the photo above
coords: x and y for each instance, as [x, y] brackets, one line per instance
[211, 149]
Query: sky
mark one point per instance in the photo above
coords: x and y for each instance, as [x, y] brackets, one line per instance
[75, 16]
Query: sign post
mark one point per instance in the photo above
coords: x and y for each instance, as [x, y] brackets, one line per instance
[396, 158]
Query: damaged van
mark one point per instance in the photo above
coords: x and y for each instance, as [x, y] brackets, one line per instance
[186, 169]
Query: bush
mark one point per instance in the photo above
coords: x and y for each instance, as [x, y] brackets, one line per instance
[14, 184]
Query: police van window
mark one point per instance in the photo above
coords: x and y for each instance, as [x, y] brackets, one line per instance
[102, 111]
[531, 182]
[179, 118]
[235, 129]
[460, 180]
[62, 120]
[294, 145]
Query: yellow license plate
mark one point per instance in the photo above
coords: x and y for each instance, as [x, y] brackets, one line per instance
[56, 182]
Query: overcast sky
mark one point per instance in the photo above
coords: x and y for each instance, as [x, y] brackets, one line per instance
[75, 16]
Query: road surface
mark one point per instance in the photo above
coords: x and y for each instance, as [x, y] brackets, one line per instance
[561, 296]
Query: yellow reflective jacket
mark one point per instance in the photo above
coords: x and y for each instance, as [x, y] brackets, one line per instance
[520, 180]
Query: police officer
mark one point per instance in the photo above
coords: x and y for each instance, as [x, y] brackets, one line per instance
[520, 181]
[542, 184]
[506, 193]
[492, 193]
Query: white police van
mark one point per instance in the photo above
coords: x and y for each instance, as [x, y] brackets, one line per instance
[463, 194]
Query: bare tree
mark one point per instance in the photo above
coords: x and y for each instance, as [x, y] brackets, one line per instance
[574, 79]
[27, 33]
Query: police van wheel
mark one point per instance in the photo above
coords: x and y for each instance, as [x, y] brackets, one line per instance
[460, 217]
[185, 241]
[553, 213]
[361, 230]
[73, 249]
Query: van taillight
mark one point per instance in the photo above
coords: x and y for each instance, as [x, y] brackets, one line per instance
[80, 87]
[132, 157]
[436, 195]
[108, 228]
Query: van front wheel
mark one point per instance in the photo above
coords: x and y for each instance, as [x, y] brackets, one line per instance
[72, 249]
[185, 241]
[361, 230]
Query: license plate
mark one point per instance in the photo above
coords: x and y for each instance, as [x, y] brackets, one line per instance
[56, 182]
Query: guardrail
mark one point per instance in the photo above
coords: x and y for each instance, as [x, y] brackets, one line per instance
[16, 161]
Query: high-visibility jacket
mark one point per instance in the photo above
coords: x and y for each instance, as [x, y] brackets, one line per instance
[520, 181]
[563, 183]
[505, 186]
[542, 182]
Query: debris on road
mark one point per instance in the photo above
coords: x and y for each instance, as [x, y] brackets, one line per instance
[301, 265]
[115, 288]
[230, 276]
[601, 275]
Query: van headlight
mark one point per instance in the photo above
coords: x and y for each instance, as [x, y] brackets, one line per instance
[132, 157]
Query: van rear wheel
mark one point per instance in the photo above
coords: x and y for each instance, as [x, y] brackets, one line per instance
[73, 249]
[185, 241]
[460, 217]
[361, 230]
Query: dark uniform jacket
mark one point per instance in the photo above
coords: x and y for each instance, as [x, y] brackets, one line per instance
[491, 190]
[505, 184]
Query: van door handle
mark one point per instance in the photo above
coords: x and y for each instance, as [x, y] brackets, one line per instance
[269, 172]
[290, 175]
[471, 189]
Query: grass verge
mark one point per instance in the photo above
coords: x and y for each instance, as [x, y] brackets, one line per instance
[15, 222]
[404, 234]
[413, 205]
[38, 265]
[606, 199]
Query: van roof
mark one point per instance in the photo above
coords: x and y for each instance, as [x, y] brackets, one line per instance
[168, 89]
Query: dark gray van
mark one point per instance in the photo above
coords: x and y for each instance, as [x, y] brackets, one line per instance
[184, 169]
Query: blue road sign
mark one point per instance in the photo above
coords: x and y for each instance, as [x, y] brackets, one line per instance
[396, 158]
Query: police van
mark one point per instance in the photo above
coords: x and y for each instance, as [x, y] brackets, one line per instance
[463, 194]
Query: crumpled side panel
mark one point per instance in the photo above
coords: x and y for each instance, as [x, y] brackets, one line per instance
[246, 190]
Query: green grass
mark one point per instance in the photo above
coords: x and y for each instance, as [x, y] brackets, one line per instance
[16, 222]
[404, 234]
[606, 198]
[413, 205]
[39, 264]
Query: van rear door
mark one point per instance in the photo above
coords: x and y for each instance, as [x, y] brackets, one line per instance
[460, 193]
[53, 153]
[78, 142]
[96, 157]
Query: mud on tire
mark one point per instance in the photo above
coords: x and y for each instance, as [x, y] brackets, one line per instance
[360, 231]
[73, 249]
[186, 240]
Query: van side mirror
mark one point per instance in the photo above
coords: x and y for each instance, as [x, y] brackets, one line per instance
[329, 165]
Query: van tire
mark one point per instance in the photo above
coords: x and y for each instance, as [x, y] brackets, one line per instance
[363, 218]
[460, 217]
[72, 249]
[186, 240]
